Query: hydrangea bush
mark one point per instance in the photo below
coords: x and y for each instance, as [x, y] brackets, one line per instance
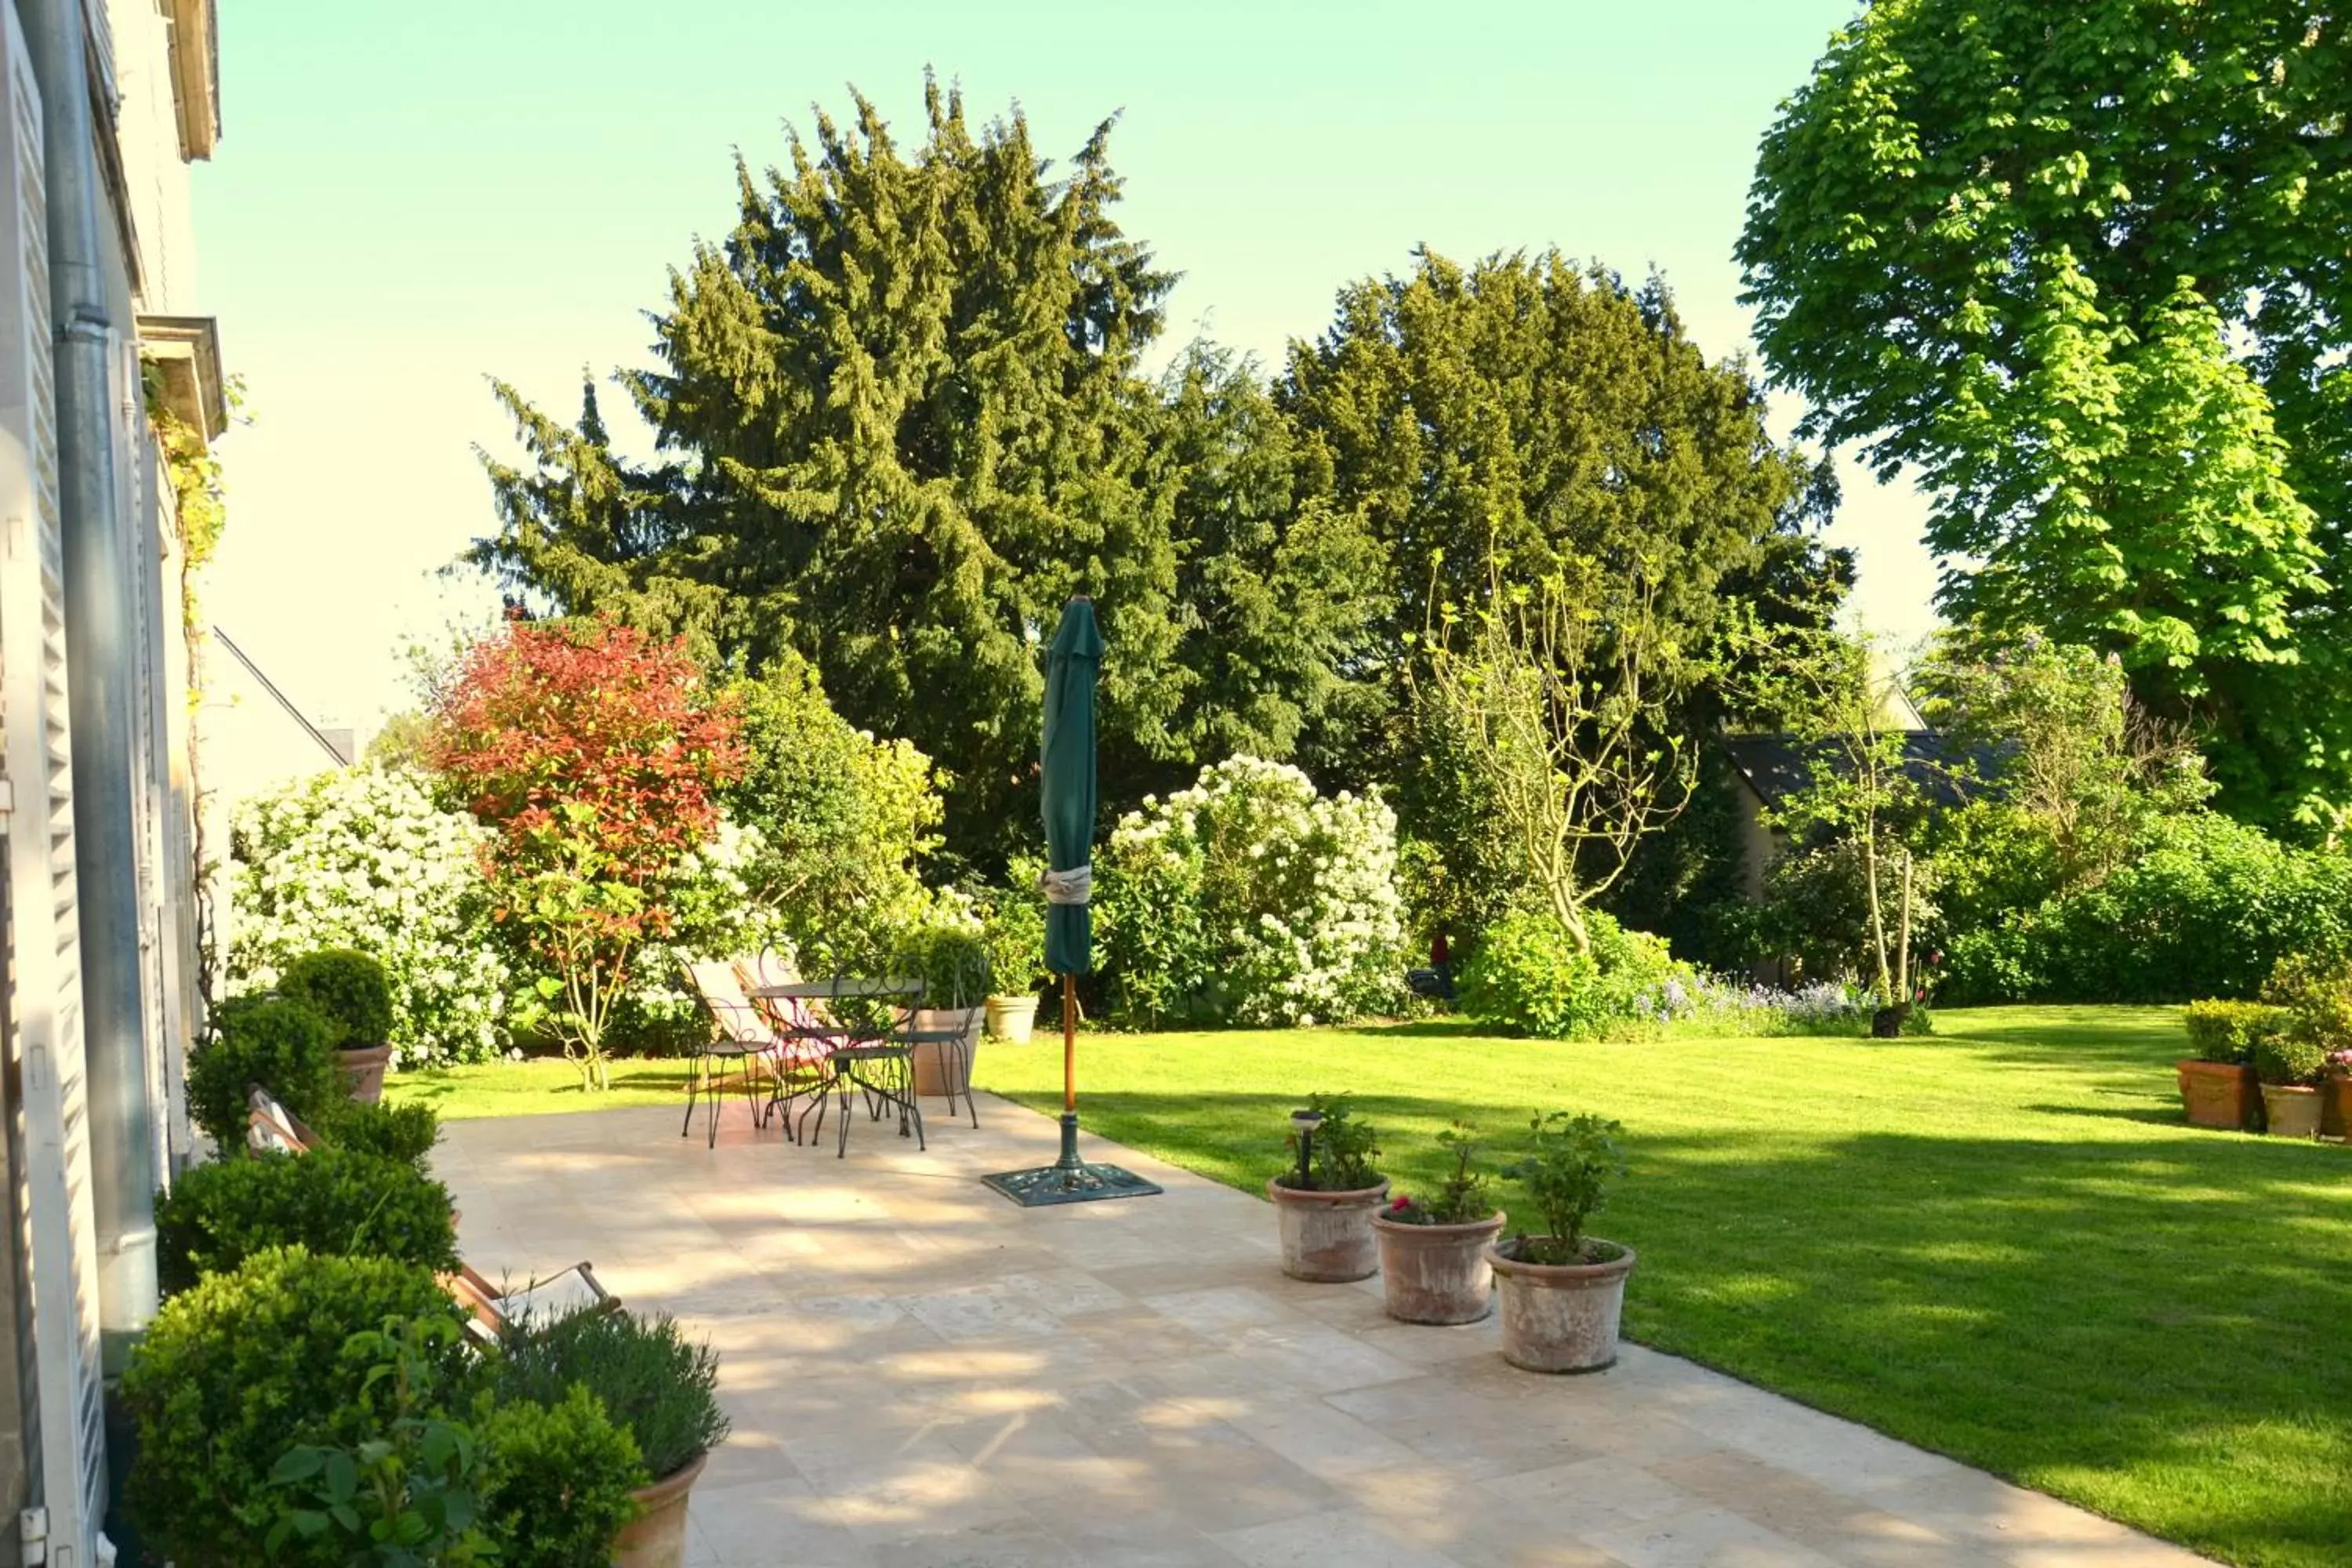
[362, 859]
[1251, 898]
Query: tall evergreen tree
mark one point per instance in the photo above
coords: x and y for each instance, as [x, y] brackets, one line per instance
[901, 421]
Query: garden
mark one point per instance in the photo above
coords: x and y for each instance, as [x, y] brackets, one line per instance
[1980, 1074]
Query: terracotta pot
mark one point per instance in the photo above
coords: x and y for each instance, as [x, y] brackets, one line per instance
[364, 1069]
[2292, 1108]
[1437, 1273]
[1559, 1317]
[1327, 1236]
[657, 1537]
[2335, 1108]
[2217, 1094]
[940, 1069]
[1012, 1018]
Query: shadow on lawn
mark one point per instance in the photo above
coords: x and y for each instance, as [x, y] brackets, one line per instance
[2152, 1326]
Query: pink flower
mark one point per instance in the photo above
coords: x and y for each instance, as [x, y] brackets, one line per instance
[1399, 1201]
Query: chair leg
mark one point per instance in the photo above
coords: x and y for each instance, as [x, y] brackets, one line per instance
[687, 1125]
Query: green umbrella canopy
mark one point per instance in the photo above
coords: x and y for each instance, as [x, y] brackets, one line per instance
[1066, 783]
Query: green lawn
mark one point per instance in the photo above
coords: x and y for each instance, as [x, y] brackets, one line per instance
[2000, 1242]
[541, 1086]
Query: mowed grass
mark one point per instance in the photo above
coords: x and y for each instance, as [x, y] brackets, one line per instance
[2000, 1242]
[540, 1086]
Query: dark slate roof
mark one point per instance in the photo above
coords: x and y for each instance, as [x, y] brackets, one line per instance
[1777, 766]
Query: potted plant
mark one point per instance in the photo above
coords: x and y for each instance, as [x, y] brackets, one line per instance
[350, 990]
[1434, 1266]
[1325, 1201]
[2291, 1068]
[952, 963]
[1562, 1292]
[2217, 1085]
[655, 1385]
[284, 1046]
[1013, 927]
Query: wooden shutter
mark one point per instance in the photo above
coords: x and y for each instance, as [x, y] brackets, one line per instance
[43, 1020]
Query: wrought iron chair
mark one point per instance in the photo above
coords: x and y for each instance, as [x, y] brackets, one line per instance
[951, 1043]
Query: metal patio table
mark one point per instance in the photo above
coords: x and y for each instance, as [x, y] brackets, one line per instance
[878, 1063]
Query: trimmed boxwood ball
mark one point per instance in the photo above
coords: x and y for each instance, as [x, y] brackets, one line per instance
[402, 1132]
[558, 1482]
[332, 1201]
[654, 1382]
[246, 1365]
[285, 1045]
[349, 988]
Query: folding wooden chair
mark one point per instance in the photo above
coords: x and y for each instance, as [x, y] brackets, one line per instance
[494, 1310]
[271, 1128]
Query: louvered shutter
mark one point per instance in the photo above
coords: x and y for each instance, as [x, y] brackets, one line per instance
[44, 1012]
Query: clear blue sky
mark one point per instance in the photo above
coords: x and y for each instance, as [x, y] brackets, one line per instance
[408, 198]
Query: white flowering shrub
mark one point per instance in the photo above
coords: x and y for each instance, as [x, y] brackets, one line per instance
[362, 859]
[718, 915]
[1250, 899]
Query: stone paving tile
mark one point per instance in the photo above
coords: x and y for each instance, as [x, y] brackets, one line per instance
[921, 1375]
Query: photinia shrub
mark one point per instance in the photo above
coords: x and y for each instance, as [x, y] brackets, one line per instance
[592, 751]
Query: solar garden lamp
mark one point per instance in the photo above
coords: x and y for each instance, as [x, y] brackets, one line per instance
[1305, 1122]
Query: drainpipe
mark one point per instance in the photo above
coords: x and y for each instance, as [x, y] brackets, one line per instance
[100, 645]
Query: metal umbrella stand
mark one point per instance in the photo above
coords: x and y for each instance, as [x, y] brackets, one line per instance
[1068, 798]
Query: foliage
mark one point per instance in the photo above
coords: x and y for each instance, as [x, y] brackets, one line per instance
[2205, 910]
[402, 1132]
[406, 1496]
[717, 911]
[350, 990]
[243, 1365]
[1342, 1152]
[1529, 975]
[2225, 1031]
[1567, 1171]
[2072, 277]
[1815, 914]
[593, 751]
[1462, 1197]
[897, 407]
[949, 953]
[335, 1202]
[362, 859]
[1013, 930]
[844, 821]
[1249, 898]
[2286, 1058]
[2314, 993]
[284, 1046]
[559, 1481]
[655, 1385]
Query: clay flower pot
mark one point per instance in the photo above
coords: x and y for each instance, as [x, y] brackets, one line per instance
[940, 1069]
[1437, 1273]
[1559, 1317]
[1327, 1236]
[1012, 1018]
[657, 1537]
[2217, 1094]
[363, 1070]
[2292, 1108]
[2335, 1108]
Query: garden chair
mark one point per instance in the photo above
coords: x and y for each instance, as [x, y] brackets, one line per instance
[271, 1128]
[493, 1311]
[763, 1056]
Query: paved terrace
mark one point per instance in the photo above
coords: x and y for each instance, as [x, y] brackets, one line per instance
[921, 1373]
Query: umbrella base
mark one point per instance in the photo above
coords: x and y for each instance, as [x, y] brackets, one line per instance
[1069, 1180]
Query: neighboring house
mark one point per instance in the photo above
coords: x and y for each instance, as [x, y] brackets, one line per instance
[104, 104]
[256, 737]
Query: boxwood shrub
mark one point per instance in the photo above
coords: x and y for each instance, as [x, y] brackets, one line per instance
[332, 1201]
[558, 1482]
[247, 1365]
[349, 988]
[285, 1045]
[2227, 1031]
[402, 1132]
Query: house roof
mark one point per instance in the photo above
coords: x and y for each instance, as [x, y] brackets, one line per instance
[1777, 766]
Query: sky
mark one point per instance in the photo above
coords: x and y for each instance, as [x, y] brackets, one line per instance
[410, 199]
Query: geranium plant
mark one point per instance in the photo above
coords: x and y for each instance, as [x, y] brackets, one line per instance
[1462, 1197]
[592, 751]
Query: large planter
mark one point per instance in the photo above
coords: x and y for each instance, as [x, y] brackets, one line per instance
[2219, 1094]
[1436, 1273]
[657, 1537]
[1327, 1236]
[940, 1068]
[1559, 1317]
[1012, 1018]
[2335, 1108]
[2292, 1110]
[363, 1070]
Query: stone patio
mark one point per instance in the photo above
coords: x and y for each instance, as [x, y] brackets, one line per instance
[922, 1374]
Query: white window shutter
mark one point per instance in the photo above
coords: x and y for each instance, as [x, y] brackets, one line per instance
[42, 927]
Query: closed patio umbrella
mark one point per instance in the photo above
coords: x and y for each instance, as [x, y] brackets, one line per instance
[1068, 801]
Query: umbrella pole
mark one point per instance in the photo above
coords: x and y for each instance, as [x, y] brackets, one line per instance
[1069, 1164]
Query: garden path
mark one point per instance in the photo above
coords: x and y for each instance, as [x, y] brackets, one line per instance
[920, 1374]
